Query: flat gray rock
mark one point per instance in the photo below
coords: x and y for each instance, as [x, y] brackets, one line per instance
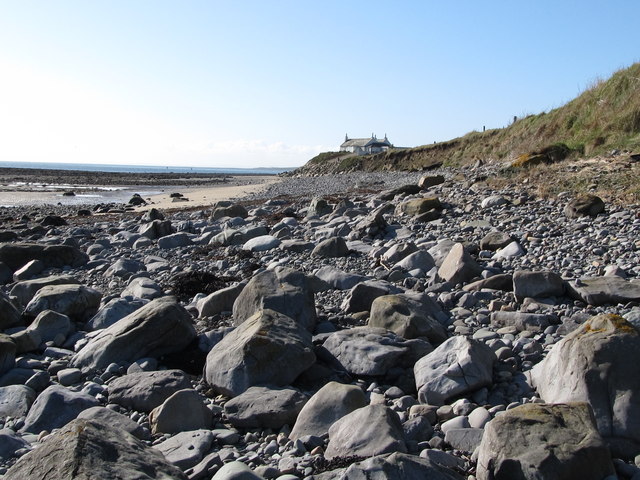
[397, 466]
[604, 290]
[338, 279]
[87, 449]
[145, 391]
[186, 449]
[265, 407]
[537, 284]
[374, 351]
[261, 243]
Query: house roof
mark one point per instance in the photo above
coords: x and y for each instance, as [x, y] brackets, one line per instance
[363, 142]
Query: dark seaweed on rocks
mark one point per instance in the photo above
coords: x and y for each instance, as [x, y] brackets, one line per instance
[186, 285]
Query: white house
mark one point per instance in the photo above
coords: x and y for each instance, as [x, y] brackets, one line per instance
[365, 146]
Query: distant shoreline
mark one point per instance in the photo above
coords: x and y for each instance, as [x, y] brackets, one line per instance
[141, 169]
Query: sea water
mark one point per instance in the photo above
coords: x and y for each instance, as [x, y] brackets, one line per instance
[96, 167]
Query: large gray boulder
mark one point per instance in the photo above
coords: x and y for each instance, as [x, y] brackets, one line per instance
[338, 279]
[186, 449]
[539, 441]
[533, 322]
[24, 291]
[265, 407]
[9, 314]
[458, 266]
[183, 411]
[527, 283]
[114, 310]
[459, 365]
[10, 443]
[145, 391]
[331, 248]
[228, 209]
[397, 466]
[268, 348]
[143, 288]
[598, 363]
[55, 407]
[583, 206]
[86, 449]
[116, 420]
[325, 407]
[219, 301]
[374, 351]
[360, 297]
[124, 268]
[8, 350]
[49, 324]
[408, 317]
[604, 290]
[15, 400]
[160, 327]
[417, 206]
[16, 255]
[77, 302]
[283, 290]
[367, 431]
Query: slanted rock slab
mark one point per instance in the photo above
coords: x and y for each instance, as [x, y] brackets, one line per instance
[160, 327]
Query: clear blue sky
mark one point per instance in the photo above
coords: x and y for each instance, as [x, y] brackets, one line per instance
[273, 82]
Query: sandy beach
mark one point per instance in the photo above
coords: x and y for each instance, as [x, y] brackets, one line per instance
[34, 187]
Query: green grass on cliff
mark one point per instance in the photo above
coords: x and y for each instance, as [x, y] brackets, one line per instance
[604, 117]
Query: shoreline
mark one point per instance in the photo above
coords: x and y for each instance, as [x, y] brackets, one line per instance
[36, 187]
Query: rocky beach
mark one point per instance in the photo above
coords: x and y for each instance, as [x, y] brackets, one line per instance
[384, 325]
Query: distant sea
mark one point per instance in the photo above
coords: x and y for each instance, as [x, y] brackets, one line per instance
[96, 167]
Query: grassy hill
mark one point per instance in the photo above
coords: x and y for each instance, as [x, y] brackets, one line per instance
[603, 118]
